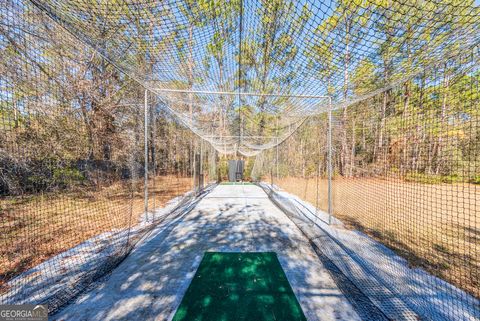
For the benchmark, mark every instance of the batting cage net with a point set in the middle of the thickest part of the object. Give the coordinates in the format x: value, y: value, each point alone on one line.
x: 116, y: 114
x: 401, y: 166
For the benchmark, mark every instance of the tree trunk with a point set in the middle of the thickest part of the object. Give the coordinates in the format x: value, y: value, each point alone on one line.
x: 344, y: 155
x: 443, y: 116
x: 352, y: 156
x: 382, y: 122
x: 405, y: 130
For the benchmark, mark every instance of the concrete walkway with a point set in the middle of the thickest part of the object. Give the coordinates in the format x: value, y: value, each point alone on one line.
x: 150, y: 283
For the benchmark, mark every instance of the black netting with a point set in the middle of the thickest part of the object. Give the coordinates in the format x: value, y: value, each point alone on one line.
x: 405, y: 172
x: 72, y: 161
x: 110, y: 109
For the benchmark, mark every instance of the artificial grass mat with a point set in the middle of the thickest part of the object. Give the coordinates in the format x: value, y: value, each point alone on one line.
x: 239, y: 286
x: 236, y: 183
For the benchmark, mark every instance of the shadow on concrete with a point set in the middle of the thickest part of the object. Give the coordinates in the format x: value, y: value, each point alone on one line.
x: 151, y: 281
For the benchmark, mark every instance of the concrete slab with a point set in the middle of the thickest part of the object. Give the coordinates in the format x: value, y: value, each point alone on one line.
x: 399, y: 291
x: 150, y: 283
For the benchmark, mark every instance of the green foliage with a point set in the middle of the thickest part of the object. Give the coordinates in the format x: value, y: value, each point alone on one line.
x: 52, y: 176
x: 67, y: 176
x: 432, y: 179
x: 475, y: 180
x: 35, y: 181
x: 248, y: 168
x: 222, y: 168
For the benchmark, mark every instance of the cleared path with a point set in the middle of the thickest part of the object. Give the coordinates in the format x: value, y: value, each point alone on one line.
x: 150, y: 283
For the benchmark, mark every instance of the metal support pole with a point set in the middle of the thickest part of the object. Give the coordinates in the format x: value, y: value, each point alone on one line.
x: 276, y: 132
x: 197, y: 176
x: 318, y: 123
x: 317, y: 190
x: 146, y: 155
x: 329, y: 163
x: 271, y: 178
x: 193, y: 166
x: 277, y: 162
x: 234, y: 93
x: 153, y: 121
x: 201, y: 166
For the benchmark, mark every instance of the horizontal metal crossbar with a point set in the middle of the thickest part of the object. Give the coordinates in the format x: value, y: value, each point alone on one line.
x: 233, y: 93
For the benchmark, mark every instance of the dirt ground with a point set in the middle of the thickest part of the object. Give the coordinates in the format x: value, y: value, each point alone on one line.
x: 41, y: 226
x: 434, y: 226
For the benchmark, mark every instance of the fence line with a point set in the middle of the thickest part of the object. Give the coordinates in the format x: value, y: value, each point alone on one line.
x: 405, y: 172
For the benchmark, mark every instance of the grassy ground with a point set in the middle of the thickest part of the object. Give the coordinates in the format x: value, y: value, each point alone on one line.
x: 37, y: 227
x: 433, y: 226
x: 237, y: 287
x: 236, y: 183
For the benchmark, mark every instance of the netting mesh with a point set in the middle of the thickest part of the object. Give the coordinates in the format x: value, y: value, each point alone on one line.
x: 84, y: 165
x: 405, y: 172
x: 73, y: 201
x: 277, y: 46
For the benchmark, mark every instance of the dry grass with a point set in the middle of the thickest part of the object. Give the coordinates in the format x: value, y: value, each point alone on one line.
x: 436, y: 227
x: 35, y: 228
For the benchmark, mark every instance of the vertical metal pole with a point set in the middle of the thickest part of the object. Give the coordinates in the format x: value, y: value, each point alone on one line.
x: 318, y: 170
x: 271, y: 172
x: 316, y: 199
x: 145, y: 136
x: 277, y: 163
x: 271, y: 178
x: 329, y: 162
x: 201, y: 165
x: 195, y: 172
x: 194, y: 166
x: 153, y: 121
x: 278, y: 173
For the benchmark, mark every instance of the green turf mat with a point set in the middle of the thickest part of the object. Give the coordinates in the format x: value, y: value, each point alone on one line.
x: 236, y: 183
x: 239, y: 286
